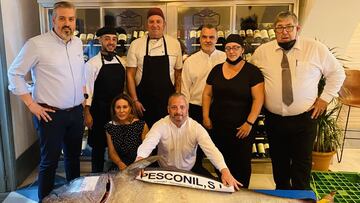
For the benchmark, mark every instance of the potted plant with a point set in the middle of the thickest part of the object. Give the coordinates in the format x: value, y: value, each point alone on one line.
x: 328, y: 131
x: 327, y: 138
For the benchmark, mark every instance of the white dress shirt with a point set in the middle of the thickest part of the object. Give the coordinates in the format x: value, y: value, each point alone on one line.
x: 308, y: 60
x: 137, y: 51
x: 178, y: 145
x: 195, y: 71
x: 57, y: 70
x: 93, y: 67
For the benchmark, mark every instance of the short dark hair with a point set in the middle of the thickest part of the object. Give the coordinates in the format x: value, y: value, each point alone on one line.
x: 208, y: 26
x: 62, y: 4
x: 126, y: 98
x: 178, y: 94
x: 286, y: 14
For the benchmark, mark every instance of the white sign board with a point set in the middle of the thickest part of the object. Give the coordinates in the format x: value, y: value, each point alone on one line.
x: 183, y: 179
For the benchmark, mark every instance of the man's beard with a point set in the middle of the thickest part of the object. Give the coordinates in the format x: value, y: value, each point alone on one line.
x: 68, y: 32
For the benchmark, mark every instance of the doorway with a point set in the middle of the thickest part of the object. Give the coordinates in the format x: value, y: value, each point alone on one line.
x: 7, y: 155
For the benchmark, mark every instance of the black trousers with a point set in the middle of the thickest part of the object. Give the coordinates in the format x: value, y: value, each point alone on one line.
x: 236, y: 152
x: 97, y: 158
x: 291, y: 140
x: 195, y: 112
x: 65, y: 132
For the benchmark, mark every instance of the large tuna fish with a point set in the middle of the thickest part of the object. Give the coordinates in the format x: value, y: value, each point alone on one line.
x: 124, y: 188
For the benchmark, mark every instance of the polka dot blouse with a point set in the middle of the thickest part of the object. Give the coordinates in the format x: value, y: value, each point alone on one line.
x: 126, y: 139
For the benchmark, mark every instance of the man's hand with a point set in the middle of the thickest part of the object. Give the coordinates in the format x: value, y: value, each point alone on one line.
x: 40, y: 112
x: 228, y: 180
x: 88, y: 119
x: 319, y: 108
x: 141, y: 172
x: 139, y: 108
x: 243, y: 130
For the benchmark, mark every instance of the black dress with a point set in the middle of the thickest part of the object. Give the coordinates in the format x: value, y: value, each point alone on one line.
x: 126, y: 139
x: 231, y: 105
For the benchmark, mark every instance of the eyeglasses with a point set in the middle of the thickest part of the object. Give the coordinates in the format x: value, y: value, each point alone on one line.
x: 288, y: 28
x: 235, y: 48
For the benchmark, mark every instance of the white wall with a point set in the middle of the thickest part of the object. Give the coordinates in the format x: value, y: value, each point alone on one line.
x: 333, y: 22
x: 21, y: 22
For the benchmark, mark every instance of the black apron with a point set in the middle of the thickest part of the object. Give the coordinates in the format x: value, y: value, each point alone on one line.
x: 108, y: 84
x: 155, y: 86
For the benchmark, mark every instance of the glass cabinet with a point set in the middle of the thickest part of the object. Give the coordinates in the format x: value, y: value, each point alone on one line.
x: 190, y: 20
x: 250, y: 19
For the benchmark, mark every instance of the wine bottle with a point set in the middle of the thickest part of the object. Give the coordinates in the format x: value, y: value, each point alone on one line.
x: 192, y: 46
x: 264, y: 36
x: 134, y: 35
x: 221, y: 41
x: 254, y: 152
x: 271, y: 34
x: 261, y: 126
x: 76, y: 33
x: 193, y: 36
x: 248, y: 41
x: 267, y: 149
x: 242, y: 34
x: 247, y: 56
x: 257, y: 39
x: 141, y: 33
x: 261, y: 150
x: 83, y: 38
x: 122, y: 38
x: 227, y: 33
x: 198, y: 33
x: 128, y: 37
x: 89, y: 37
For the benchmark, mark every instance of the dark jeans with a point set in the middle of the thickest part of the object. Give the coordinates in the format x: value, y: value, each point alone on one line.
x: 65, y: 132
x: 291, y: 140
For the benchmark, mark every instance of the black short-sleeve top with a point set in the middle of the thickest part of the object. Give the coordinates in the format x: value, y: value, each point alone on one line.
x: 232, y: 98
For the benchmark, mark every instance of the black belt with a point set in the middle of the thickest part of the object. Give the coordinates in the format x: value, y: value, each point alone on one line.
x: 56, y: 108
x: 267, y: 112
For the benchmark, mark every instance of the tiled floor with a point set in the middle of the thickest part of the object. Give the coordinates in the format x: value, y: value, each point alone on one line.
x: 261, y: 177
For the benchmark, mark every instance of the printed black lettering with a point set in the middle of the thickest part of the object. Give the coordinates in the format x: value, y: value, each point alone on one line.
x: 187, y: 179
x: 178, y: 178
x: 160, y: 176
x: 145, y: 174
x: 197, y: 182
x: 211, y: 185
x: 167, y: 176
x: 152, y: 176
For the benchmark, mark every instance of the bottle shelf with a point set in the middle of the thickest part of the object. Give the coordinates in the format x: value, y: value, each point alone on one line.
x: 99, y: 45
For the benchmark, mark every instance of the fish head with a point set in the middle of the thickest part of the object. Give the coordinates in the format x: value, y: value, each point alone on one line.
x: 135, y: 168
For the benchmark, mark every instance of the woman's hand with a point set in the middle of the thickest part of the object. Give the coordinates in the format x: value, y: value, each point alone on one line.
x: 139, y: 108
x: 122, y: 166
x: 243, y: 130
x: 207, y: 123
